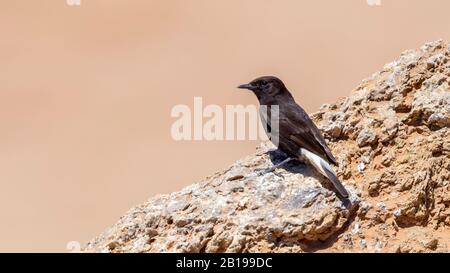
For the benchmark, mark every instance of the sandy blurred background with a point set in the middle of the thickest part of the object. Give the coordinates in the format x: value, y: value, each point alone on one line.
x: 86, y: 92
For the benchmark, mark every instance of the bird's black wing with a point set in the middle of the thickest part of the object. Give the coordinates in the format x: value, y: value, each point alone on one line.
x: 299, y: 128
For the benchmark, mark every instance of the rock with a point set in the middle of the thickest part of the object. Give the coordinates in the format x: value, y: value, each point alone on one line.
x: 334, y: 130
x: 432, y: 105
x: 418, y: 240
x: 285, y: 208
x: 361, y: 167
x: 431, y: 244
x: 391, y: 138
x: 366, y: 137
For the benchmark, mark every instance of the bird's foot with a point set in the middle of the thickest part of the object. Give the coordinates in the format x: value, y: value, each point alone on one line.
x: 261, y: 172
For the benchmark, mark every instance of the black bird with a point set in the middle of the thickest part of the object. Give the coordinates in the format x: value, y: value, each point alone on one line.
x: 296, y: 135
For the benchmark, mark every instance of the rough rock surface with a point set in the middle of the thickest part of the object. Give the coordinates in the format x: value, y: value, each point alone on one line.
x: 391, y: 138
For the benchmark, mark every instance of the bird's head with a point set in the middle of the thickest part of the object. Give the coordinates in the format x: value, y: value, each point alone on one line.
x: 267, y: 86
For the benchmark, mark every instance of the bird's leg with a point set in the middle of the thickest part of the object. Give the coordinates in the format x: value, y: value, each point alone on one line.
x: 274, y: 167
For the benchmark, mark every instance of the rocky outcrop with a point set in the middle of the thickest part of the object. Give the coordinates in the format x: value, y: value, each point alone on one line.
x: 391, y: 138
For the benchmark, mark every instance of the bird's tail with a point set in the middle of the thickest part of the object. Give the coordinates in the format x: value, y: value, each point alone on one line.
x: 324, y: 168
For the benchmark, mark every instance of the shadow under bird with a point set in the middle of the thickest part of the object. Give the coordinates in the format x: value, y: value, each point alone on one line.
x: 295, y: 134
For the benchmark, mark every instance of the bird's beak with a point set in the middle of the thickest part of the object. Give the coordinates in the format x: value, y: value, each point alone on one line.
x: 246, y: 86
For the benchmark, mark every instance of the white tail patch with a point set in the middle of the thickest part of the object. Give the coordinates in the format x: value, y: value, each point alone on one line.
x: 324, y: 168
x: 319, y: 163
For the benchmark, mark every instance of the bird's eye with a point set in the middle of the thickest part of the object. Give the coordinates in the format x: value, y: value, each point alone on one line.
x: 264, y: 83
